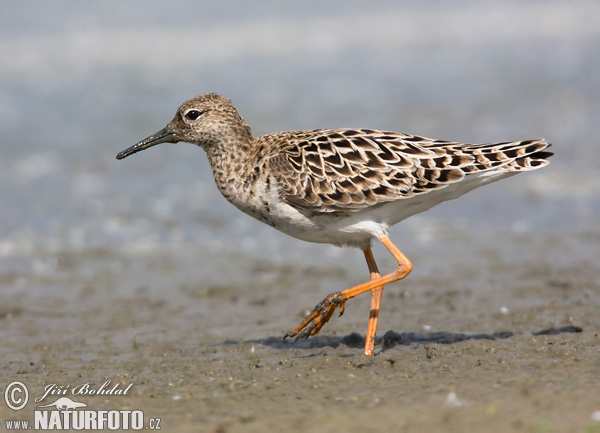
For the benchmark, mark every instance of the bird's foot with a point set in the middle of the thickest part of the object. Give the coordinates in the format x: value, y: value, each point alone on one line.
x: 319, y: 316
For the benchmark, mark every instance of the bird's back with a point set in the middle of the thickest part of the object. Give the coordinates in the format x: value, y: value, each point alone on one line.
x: 349, y: 170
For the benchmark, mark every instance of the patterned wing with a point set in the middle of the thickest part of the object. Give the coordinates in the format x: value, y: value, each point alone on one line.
x: 350, y: 169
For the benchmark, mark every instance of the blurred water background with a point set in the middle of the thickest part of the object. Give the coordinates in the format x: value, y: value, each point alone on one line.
x: 81, y: 81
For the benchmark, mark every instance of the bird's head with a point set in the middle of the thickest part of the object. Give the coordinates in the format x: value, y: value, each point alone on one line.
x: 207, y: 120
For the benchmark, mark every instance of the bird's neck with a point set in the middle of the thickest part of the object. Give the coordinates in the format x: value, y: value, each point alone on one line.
x: 233, y: 161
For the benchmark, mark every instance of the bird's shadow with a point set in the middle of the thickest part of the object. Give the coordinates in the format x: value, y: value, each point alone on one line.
x: 391, y: 339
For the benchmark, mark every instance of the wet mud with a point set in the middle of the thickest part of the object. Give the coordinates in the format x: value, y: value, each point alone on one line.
x: 518, y: 353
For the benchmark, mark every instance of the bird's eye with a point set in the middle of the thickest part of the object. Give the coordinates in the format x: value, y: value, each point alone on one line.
x: 193, y: 114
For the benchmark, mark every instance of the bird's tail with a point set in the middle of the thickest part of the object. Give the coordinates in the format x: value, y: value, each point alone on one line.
x: 509, y: 156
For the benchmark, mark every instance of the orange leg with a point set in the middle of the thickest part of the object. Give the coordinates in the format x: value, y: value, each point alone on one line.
x: 376, y: 295
x: 321, y: 314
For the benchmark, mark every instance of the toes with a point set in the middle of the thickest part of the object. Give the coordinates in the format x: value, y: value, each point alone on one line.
x: 320, y: 315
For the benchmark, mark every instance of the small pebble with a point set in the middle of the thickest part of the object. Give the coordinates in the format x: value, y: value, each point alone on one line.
x: 453, y: 401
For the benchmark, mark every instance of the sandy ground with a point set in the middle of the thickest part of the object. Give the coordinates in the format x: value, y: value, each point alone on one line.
x: 509, y: 345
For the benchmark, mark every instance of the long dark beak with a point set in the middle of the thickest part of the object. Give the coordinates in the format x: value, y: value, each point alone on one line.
x: 165, y: 135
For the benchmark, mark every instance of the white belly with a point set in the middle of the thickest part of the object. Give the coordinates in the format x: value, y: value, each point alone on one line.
x: 359, y: 227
